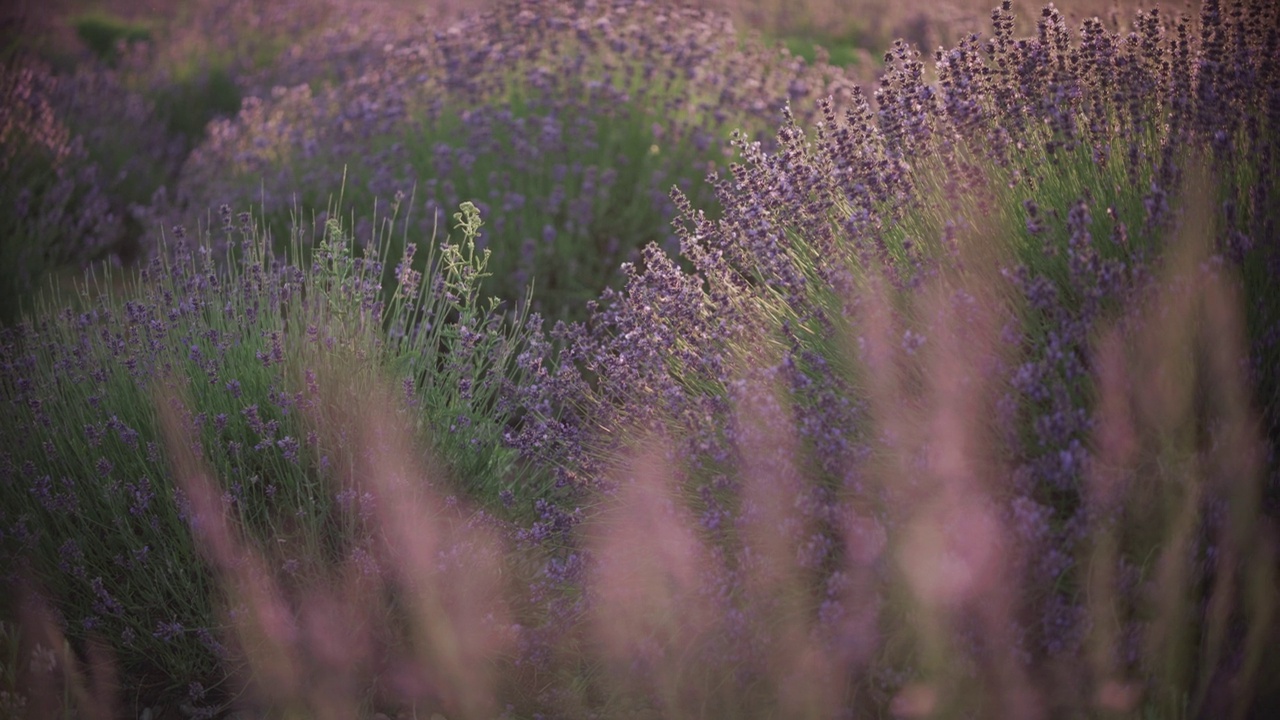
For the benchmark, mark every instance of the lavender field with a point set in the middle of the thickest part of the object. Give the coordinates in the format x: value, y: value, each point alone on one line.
x: 639, y: 359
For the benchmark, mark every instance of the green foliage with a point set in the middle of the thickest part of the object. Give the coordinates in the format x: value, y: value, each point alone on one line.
x: 584, y: 256
x: 197, y: 97
x: 103, y: 34
x: 613, y: 164
x: 842, y: 50
x: 22, y: 261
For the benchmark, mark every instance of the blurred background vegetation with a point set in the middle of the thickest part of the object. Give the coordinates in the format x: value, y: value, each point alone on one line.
x: 200, y: 61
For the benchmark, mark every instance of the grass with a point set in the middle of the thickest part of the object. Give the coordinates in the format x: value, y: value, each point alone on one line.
x: 845, y: 51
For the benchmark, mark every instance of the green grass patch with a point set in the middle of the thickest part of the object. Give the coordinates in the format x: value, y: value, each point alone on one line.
x: 842, y: 50
x: 196, y: 98
x: 104, y: 33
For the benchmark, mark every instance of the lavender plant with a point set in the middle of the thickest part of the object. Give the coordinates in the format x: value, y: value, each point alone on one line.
x: 896, y: 198
x: 55, y: 210
x: 567, y: 128
x: 94, y: 516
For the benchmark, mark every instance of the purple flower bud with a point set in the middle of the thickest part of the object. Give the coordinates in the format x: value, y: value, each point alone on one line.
x: 168, y: 631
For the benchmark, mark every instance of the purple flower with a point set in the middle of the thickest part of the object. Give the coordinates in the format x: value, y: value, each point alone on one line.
x: 93, y: 434
x: 250, y: 414
x: 128, y: 436
x: 211, y: 643
x: 71, y: 558
x: 104, y: 604
x: 141, y: 495
x: 289, y: 446
x: 168, y: 631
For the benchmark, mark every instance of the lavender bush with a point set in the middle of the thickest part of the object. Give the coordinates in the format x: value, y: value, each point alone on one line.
x: 959, y: 401
x: 64, y: 201
x: 567, y: 126
x: 230, y: 349
x: 899, y: 197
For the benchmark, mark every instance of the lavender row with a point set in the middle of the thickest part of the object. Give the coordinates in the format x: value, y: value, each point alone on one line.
x: 567, y: 127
